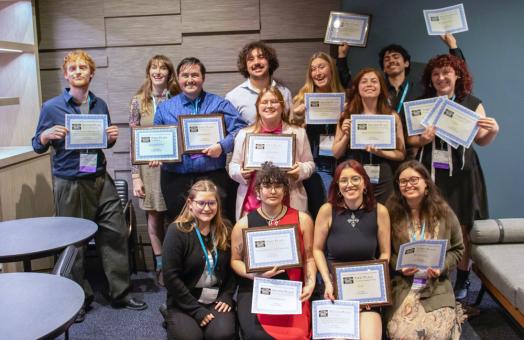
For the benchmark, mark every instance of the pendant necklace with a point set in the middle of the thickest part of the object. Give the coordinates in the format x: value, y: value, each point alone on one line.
x: 353, y: 220
x: 274, y: 220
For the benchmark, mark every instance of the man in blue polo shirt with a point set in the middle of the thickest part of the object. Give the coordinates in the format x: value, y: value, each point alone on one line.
x: 177, y: 178
x: 82, y: 186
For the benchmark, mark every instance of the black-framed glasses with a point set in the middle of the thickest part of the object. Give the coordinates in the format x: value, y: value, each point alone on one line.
x: 413, y: 180
x: 202, y: 204
x: 354, y: 180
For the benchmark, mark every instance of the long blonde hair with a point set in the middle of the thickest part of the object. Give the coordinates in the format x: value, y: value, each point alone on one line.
x: 145, y: 90
x: 309, y: 86
x: 185, y: 220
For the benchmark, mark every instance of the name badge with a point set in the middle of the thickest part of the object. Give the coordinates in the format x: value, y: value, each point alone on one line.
x: 325, y: 148
x: 88, y: 162
x: 208, y: 295
x: 440, y: 159
x: 373, y: 172
x: 419, y: 281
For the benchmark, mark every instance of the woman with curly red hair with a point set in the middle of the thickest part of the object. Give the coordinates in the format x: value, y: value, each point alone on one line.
x: 457, y: 173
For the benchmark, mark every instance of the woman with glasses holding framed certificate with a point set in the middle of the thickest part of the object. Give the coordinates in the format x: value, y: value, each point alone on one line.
x: 271, y: 119
x: 197, y: 271
x: 350, y: 227
x: 422, y: 303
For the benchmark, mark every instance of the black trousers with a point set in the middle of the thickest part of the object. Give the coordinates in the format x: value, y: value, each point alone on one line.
x: 175, y: 188
x: 181, y: 326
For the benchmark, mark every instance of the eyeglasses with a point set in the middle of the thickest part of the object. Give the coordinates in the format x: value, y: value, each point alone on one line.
x: 275, y: 186
x: 413, y: 180
x: 355, y: 180
x: 202, y: 204
x: 272, y: 102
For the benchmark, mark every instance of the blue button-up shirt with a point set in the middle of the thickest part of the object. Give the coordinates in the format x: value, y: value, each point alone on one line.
x: 66, y: 163
x: 167, y: 114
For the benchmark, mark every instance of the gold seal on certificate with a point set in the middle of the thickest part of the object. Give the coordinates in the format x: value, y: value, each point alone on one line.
x: 155, y: 143
x: 267, y: 247
x: 86, y: 131
x: 365, y: 281
x: 261, y: 147
x: 350, y: 28
x: 201, y: 131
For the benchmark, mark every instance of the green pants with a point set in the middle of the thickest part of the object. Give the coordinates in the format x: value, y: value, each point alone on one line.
x: 96, y: 199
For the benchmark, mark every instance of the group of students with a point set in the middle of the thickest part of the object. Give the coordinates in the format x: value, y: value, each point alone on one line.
x: 363, y: 209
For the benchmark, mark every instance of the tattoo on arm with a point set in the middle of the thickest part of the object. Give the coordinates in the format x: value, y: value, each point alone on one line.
x: 239, y: 248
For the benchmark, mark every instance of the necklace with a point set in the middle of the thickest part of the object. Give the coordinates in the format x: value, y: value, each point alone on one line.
x: 353, y: 220
x: 272, y: 220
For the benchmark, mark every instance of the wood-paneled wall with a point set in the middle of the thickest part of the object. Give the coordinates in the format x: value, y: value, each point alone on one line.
x: 122, y: 35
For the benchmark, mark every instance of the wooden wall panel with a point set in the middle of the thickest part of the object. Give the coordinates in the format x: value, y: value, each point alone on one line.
x: 304, y: 19
x: 67, y: 24
x: 222, y: 83
x: 53, y: 83
x: 120, y: 8
x: 148, y: 30
x: 54, y: 60
x: 18, y: 16
x: 220, y: 16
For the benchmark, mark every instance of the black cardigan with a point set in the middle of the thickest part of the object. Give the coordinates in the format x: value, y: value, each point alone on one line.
x: 183, y: 264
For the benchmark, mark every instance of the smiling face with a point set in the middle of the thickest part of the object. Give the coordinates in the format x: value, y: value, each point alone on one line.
x: 351, y: 186
x: 394, y: 64
x: 369, y: 85
x: 443, y: 80
x: 257, y: 64
x: 203, y: 206
x: 158, y: 73
x: 412, y: 185
x: 78, y: 73
x: 270, y: 108
x: 321, y: 74
x: 190, y: 80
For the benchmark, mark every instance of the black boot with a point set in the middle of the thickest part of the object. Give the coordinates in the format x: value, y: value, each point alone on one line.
x: 461, y: 284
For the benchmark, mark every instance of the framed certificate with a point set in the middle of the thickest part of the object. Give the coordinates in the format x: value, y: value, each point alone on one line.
x: 376, y: 130
x: 85, y: 131
x: 456, y: 123
x: 450, y: 19
x: 155, y: 143
x: 415, y: 112
x: 201, y: 131
x: 365, y: 281
x: 276, y: 297
x: 350, y: 28
x: 335, y: 320
x: 261, y: 147
x: 324, y: 108
x: 422, y: 254
x: 267, y: 247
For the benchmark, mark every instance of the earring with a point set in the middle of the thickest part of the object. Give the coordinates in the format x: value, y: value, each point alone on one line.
x: 339, y: 194
x: 365, y: 191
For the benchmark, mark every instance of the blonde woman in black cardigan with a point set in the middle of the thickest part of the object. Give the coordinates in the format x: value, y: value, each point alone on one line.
x: 197, y: 274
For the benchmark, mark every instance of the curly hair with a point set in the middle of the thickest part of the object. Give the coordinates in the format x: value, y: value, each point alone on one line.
x: 464, y: 83
x: 271, y: 174
x: 78, y: 55
x: 433, y: 207
x: 334, y: 196
x: 268, y: 52
x: 394, y: 48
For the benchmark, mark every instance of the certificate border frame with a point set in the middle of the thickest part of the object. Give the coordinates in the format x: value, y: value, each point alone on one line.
x: 407, y: 114
x: 462, y: 11
x: 356, y: 117
x: 328, y: 39
x: 309, y: 96
x: 318, y: 303
x: 155, y: 127
x: 68, y: 122
x: 467, y: 142
x: 198, y: 148
x: 251, y: 135
x: 363, y: 264
x: 247, y: 253
x: 256, y: 284
x: 404, y: 245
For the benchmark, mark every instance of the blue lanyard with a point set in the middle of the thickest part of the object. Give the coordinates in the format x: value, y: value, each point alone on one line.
x: 210, y: 269
x: 453, y: 98
x: 403, y: 97
x: 413, y: 238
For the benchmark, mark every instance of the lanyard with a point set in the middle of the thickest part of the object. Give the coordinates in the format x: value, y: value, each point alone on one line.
x: 413, y: 238
x: 210, y: 270
x: 404, y: 93
x: 154, y: 104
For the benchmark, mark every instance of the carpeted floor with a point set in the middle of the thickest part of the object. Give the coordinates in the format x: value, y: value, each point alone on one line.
x: 104, y: 322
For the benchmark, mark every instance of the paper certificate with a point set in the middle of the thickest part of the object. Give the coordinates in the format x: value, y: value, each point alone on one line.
x: 267, y: 247
x: 376, y: 130
x: 422, y: 254
x: 276, y: 297
x: 87, y: 131
x: 347, y: 28
x: 416, y: 111
x: 201, y: 131
x: 337, y: 319
x: 450, y: 19
x: 158, y: 143
x: 263, y: 147
x: 324, y: 108
x: 366, y: 282
x: 456, y: 123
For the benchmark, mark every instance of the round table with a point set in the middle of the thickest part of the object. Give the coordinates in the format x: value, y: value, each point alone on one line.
x: 30, y: 238
x: 36, y: 305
